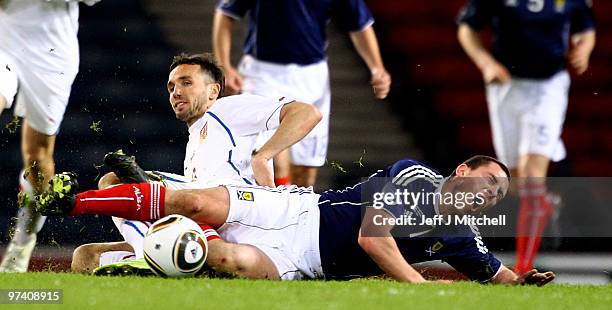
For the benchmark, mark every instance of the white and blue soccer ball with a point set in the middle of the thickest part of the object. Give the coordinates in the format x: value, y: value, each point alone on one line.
x: 175, y: 246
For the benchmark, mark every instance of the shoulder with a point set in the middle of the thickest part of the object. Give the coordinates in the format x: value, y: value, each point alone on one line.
x: 235, y: 100
x: 409, y: 167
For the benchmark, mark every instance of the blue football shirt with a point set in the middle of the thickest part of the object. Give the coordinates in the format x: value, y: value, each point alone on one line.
x: 461, y: 246
x: 285, y: 32
x: 531, y: 37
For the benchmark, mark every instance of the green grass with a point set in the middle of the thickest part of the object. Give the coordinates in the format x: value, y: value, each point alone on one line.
x: 87, y: 292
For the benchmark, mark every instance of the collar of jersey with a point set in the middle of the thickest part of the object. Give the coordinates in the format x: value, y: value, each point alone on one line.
x: 195, y: 127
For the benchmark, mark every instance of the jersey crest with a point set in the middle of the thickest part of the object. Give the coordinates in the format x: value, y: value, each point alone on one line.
x: 203, y: 132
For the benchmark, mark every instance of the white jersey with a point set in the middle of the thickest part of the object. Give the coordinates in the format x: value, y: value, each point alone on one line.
x: 222, y: 141
x: 41, y: 33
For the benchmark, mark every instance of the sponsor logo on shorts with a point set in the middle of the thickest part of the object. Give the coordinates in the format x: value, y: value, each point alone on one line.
x: 246, y: 196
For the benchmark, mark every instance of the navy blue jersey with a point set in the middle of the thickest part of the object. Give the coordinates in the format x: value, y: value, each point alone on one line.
x: 342, y: 212
x: 282, y: 31
x: 531, y: 37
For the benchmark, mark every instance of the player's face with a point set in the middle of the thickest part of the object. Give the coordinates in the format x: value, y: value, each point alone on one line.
x: 489, y: 184
x: 189, y: 89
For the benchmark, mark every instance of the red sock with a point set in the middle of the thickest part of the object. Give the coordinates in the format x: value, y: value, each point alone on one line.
x: 534, y: 213
x: 209, y: 232
x: 142, y: 201
x: 282, y: 181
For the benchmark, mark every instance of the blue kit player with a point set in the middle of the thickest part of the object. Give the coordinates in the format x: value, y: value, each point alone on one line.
x: 527, y: 87
x: 291, y: 233
x: 285, y: 55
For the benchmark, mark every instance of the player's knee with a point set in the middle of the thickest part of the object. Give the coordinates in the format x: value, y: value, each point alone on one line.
x: 85, y: 258
x: 108, y: 180
x: 242, y: 260
x: 236, y: 260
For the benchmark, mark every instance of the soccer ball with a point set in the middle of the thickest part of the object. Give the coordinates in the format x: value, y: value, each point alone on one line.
x: 175, y: 246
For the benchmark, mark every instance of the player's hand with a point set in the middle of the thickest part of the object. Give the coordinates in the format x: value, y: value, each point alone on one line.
x: 533, y: 277
x: 495, y: 72
x: 381, y: 82
x: 578, y: 59
x: 262, y: 171
x: 233, y: 81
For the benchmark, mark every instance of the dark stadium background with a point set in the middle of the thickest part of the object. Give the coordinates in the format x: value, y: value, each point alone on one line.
x: 119, y: 101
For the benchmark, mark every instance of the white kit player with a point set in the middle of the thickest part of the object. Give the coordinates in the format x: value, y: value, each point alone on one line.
x: 222, y: 135
x: 39, y: 59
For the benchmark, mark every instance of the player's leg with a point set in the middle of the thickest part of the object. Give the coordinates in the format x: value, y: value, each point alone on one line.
x: 311, y: 152
x: 88, y: 257
x: 242, y: 260
x: 278, y: 223
x: 42, y: 100
x: 504, y: 105
x: 303, y: 176
x: 540, y: 143
x: 133, y: 231
x: 2, y: 104
x: 37, y: 152
x: 282, y: 168
x: 141, y: 201
x: 210, y: 206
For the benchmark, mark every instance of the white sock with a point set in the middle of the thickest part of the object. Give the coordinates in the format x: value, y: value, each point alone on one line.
x: 29, y: 223
x: 133, y: 232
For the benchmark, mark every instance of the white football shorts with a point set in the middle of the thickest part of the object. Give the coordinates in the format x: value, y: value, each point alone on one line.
x: 527, y: 117
x: 282, y: 222
x: 40, y: 96
x: 308, y: 84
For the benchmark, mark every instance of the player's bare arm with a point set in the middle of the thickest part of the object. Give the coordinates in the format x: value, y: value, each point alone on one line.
x: 378, y: 243
x: 367, y: 46
x: 297, y: 119
x: 492, y: 71
x: 581, y: 47
x: 532, y: 277
x: 222, y: 44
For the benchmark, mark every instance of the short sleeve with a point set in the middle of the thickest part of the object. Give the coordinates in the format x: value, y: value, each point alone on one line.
x: 476, y: 13
x: 582, y: 18
x: 250, y: 114
x: 475, y: 261
x: 351, y: 15
x: 235, y: 9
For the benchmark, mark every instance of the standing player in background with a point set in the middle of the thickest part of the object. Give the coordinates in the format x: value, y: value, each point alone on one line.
x: 285, y: 51
x: 39, y: 59
x: 527, y: 92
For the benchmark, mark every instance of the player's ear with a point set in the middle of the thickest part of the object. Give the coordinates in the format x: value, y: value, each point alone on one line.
x: 461, y: 170
x: 215, y: 89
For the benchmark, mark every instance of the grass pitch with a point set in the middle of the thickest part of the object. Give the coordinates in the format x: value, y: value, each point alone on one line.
x: 88, y: 292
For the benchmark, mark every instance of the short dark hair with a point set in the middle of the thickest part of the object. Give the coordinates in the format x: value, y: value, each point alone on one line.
x: 481, y: 160
x: 208, y: 64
